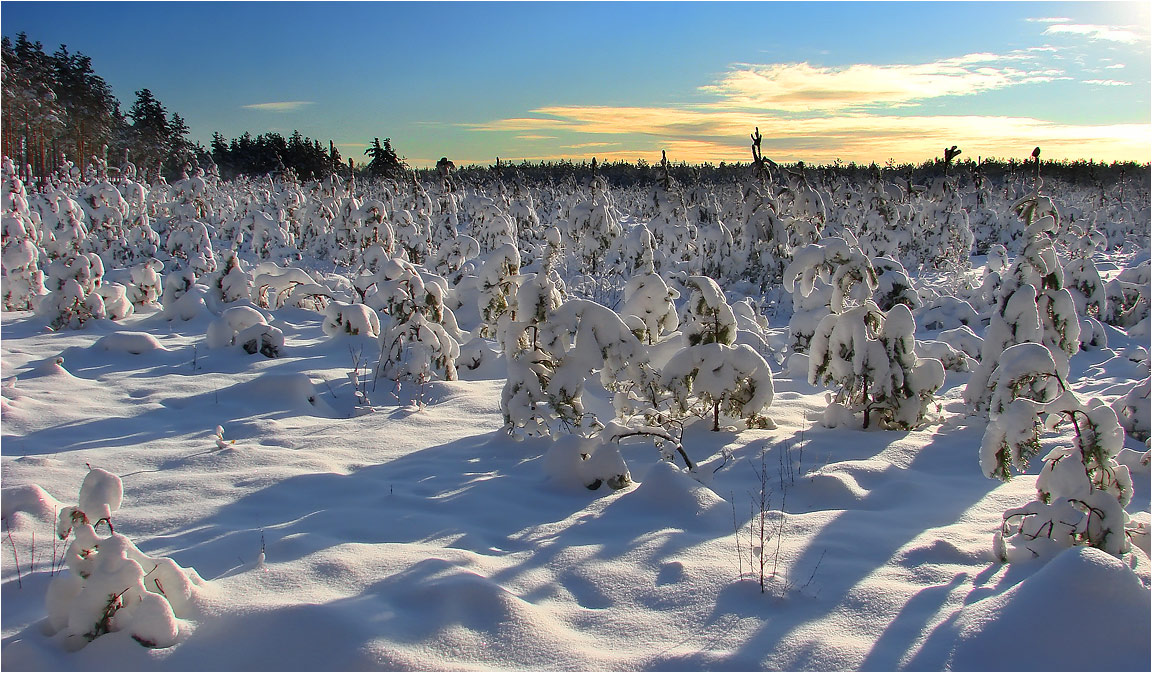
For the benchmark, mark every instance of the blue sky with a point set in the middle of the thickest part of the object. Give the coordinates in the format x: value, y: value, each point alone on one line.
x: 473, y: 81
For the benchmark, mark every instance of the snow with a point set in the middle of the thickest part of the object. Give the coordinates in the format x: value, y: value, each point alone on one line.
x: 306, y: 512
x: 1093, y: 584
x: 431, y: 540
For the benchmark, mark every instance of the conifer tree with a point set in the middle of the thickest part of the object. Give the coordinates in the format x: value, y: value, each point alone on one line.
x: 384, y: 163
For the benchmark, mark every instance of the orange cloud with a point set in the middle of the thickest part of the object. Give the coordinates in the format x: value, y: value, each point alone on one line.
x: 706, y: 135
x: 800, y: 87
x: 820, y: 114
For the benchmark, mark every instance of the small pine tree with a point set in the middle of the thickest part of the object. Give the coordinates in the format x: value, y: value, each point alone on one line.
x: 707, y: 318
x: 868, y: 355
x: 1033, y: 304
x: 1082, y: 489
x: 383, y: 162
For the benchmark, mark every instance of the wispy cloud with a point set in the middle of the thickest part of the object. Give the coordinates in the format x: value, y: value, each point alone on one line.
x: 1109, y: 83
x: 1050, y: 19
x: 710, y: 135
x: 815, y: 113
x: 580, y: 146
x: 1115, y: 66
x: 279, y: 106
x: 1123, y: 34
x: 799, y: 87
x: 535, y: 136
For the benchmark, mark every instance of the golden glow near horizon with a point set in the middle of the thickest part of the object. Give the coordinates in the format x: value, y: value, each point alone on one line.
x: 990, y: 104
x: 696, y: 136
x: 860, y: 113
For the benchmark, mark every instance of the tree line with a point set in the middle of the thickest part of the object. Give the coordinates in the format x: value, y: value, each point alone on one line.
x: 56, y: 107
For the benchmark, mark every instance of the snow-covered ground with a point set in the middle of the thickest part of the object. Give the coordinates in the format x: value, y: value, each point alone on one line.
x: 428, y: 539
x: 296, y: 508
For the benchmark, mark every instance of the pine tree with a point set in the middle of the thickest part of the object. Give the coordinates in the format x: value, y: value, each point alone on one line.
x: 92, y: 112
x: 384, y: 163
x: 150, y: 132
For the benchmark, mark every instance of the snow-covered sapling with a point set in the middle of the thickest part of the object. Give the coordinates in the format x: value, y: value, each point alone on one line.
x: 350, y: 319
x: 497, y: 280
x: 1033, y: 304
x: 111, y: 585
x: 711, y: 377
x: 1082, y: 490
x: 421, y: 337
x: 524, y: 402
x: 870, y: 357
x: 648, y: 298
x: 74, y: 297
x: 707, y: 318
x: 247, y: 327
x: 846, y: 278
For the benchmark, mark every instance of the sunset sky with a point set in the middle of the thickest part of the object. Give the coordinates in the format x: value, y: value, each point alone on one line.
x: 861, y: 82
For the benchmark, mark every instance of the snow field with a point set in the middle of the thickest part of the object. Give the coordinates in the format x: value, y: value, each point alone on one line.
x: 428, y: 539
x: 335, y: 421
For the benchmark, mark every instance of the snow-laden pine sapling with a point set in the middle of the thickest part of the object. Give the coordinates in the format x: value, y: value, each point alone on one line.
x: 1033, y: 304
x: 1082, y: 490
x: 713, y: 378
x: 107, y: 588
x: 868, y: 355
x: 825, y: 278
x: 420, y: 341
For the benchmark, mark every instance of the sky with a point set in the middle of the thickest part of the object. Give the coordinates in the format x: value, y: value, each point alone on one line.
x: 855, y: 81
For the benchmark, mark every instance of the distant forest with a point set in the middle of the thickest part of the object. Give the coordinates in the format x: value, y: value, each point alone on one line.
x: 56, y: 107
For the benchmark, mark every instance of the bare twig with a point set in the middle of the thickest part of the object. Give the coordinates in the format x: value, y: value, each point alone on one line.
x: 15, y: 555
x: 815, y: 567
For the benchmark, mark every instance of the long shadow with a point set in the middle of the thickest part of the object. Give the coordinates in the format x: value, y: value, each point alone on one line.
x: 934, y: 653
x: 444, y: 493
x: 272, y: 394
x: 481, y: 494
x: 905, y: 627
x: 864, y: 537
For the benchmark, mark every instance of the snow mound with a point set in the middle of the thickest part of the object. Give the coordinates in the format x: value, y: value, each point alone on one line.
x: 797, y: 366
x: 101, y: 494
x: 460, y: 597
x: 673, y: 494
x: 31, y: 499
x: 1083, y: 596
x: 129, y: 342
x: 49, y: 367
x: 294, y: 392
